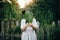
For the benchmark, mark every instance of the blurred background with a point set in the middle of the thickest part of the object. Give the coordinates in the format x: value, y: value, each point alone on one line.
x: 46, y: 12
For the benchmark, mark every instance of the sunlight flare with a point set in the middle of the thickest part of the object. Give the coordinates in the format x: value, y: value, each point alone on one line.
x: 24, y: 3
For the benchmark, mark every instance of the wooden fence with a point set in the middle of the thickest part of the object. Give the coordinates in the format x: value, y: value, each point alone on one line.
x: 10, y: 30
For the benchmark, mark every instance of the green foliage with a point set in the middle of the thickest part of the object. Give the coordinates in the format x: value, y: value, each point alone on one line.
x: 17, y: 30
x: 11, y: 11
x: 46, y: 32
x: 29, y: 15
x: 43, y: 11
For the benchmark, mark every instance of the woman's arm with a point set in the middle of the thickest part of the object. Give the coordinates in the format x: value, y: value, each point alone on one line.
x: 34, y: 24
x: 24, y: 27
x: 34, y: 27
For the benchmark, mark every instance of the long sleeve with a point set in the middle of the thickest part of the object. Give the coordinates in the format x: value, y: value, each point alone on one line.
x: 23, y: 21
x: 34, y: 22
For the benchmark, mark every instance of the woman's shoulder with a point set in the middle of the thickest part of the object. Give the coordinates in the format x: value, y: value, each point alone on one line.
x: 34, y: 18
x: 23, y: 19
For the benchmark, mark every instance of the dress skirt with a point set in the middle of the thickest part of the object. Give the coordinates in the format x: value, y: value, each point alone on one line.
x: 29, y: 35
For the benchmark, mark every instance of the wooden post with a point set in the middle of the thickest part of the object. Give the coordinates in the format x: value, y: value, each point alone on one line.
x: 12, y: 26
x: 7, y: 29
x: 17, y: 23
x: 2, y: 29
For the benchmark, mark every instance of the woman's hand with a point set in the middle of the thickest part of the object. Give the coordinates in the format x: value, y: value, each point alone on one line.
x: 27, y: 24
x: 24, y: 28
x: 30, y: 24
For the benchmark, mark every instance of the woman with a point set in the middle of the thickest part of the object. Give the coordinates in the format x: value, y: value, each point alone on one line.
x: 28, y: 29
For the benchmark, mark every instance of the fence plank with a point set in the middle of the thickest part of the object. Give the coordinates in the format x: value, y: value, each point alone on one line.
x: 2, y: 29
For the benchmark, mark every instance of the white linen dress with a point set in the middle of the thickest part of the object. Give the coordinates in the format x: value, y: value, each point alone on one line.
x: 29, y: 33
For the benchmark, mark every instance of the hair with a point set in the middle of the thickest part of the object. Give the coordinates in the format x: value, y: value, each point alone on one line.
x: 33, y: 15
x: 23, y: 12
